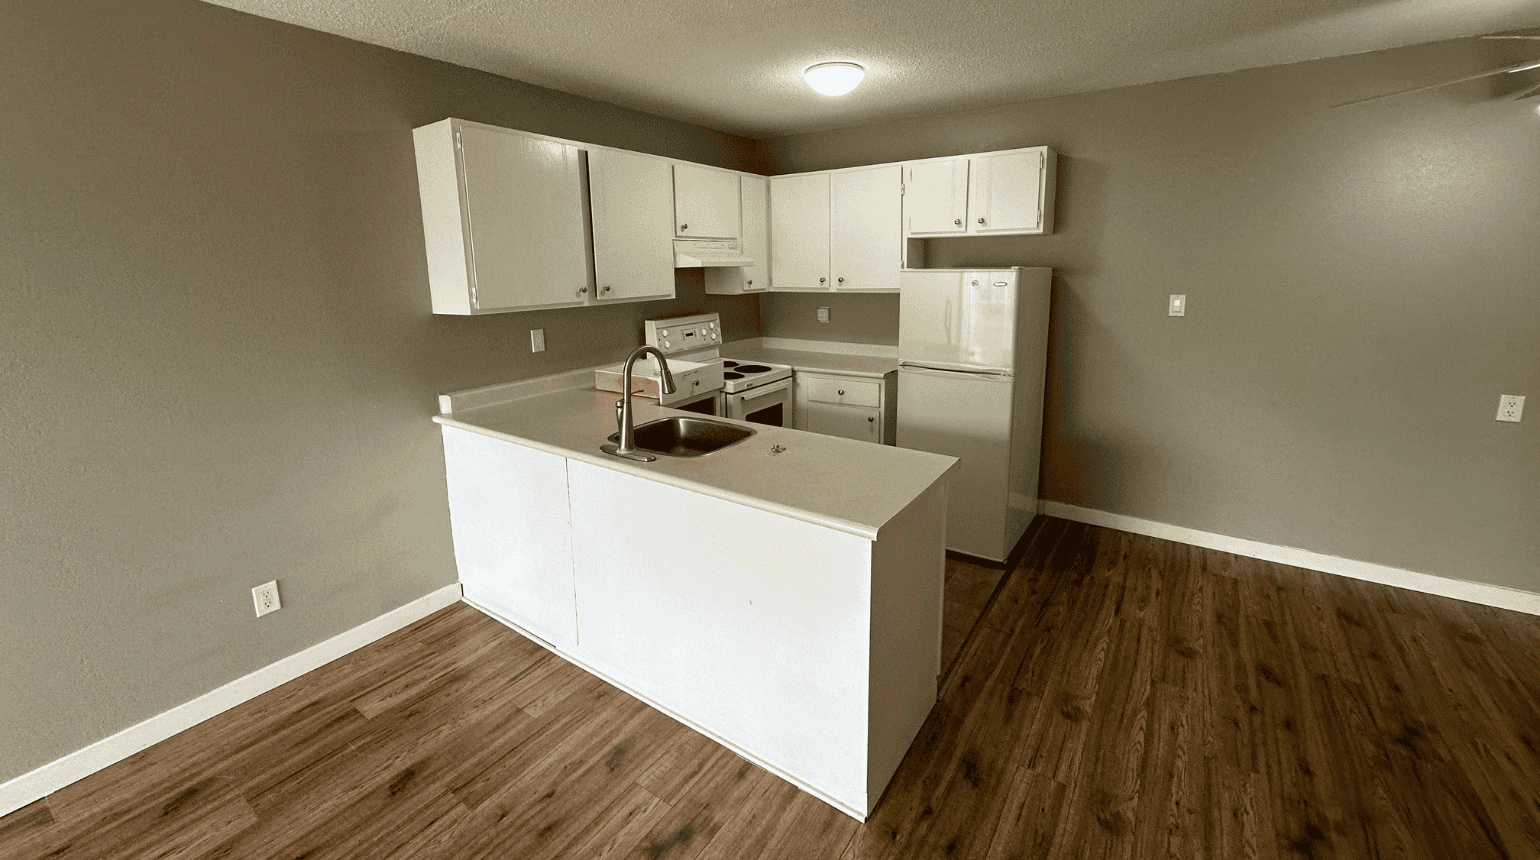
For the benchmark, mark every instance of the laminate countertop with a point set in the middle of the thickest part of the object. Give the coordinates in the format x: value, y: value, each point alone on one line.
x: 811, y: 360
x: 844, y: 484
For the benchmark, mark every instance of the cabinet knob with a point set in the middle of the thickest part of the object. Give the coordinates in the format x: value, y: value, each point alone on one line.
x: 871, y: 419
x: 842, y: 280
x: 582, y: 291
x: 751, y: 282
x: 606, y: 289
x: 981, y: 220
x: 842, y: 392
x: 957, y: 221
x: 822, y: 280
x: 684, y: 226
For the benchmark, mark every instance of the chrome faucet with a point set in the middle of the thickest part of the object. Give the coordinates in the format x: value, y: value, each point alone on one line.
x: 627, y: 442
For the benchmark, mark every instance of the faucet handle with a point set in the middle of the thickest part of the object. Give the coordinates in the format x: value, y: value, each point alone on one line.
x: 620, y: 414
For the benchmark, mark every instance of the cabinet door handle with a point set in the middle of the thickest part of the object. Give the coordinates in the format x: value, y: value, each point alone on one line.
x: 981, y: 220
x: 842, y: 280
x: 957, y: 221
x: 842, y: 392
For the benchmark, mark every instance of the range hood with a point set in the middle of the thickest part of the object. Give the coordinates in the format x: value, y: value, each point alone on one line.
x: 697, y: 253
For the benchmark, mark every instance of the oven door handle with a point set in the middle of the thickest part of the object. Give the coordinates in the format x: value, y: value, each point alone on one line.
x: 747, y: 397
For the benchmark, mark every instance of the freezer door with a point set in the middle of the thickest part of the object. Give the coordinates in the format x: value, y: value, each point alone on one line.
x: 968, y: 417
x: 964, y: 320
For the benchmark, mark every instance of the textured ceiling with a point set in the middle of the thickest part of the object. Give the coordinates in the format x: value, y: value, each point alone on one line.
x: 736, y: 66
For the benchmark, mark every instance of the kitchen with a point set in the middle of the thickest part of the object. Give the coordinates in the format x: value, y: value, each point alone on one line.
x: 218, y: 327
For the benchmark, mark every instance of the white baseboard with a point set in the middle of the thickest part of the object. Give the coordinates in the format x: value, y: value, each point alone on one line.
x: 55, y: 775
x: 1474, y: 592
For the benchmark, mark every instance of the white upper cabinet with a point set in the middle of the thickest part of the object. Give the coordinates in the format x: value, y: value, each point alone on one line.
x: 936, y: 197
x: 503, y: 221
x: 1008, y: 192
x: 799, y: 231
x: 839, y: 230
x: 867, y: 225
x: 706, y: 203
x: 737, y: 280
x: 633, y: 211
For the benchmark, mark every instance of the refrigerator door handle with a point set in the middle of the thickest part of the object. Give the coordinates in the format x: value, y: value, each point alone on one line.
x: 929, y: 370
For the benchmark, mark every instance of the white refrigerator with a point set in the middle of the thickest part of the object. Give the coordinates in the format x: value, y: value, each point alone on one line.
x: 972, y: 350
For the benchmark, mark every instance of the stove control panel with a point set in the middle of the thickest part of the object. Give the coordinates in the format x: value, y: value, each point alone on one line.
x: 684, y: 334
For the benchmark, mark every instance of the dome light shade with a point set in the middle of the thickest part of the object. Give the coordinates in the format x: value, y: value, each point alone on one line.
x: 834, y: 79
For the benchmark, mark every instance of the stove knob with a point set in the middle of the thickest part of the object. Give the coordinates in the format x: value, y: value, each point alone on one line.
x: 713, y: 335
x: 713, y: 325
x: 664, y: 332
x: 666, y: 344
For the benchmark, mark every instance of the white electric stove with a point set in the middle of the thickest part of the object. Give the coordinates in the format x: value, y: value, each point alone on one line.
x: 753, y: 391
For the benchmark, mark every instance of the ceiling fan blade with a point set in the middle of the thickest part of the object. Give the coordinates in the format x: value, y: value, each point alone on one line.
x: 1516, y: 67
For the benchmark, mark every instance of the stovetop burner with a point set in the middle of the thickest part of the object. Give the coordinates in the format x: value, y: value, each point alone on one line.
x: 731, y: 374
x: 751, y: 368
x: 727, y: 362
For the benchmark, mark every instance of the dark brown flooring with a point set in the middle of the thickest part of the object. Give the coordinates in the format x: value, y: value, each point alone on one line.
x: 1123, y: 697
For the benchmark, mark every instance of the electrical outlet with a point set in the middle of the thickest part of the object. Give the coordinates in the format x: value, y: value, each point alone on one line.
x: 1510, y: 407
x: 1177, y: 306
x: 823, y: 314
x: 537, y: 340
x: 266, y: 598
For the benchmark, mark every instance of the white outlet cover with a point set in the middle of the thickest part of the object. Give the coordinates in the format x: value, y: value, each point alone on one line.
x: 1510, y: 407
x: 1177, y: 306
x: 266, y: 598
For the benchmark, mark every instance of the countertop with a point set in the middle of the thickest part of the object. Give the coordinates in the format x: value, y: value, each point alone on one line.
x: 811, y: 360
x: 854, y: 487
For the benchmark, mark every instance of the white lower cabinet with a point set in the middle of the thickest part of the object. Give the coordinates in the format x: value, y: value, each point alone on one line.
x: 814, y: 652
x: 854, y: 407
x: 509, y: 518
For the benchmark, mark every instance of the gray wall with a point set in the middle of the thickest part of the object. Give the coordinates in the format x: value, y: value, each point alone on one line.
x: 216, y: 351
x: 1362, y: 285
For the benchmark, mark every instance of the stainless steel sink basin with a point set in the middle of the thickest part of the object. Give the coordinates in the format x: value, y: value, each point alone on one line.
x: 684, y: 437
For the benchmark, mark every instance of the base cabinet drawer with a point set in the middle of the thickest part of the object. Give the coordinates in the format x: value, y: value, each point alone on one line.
x: 844, y: 390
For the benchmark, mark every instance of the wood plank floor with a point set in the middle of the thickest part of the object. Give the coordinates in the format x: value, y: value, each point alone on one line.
x: 1122, y: 697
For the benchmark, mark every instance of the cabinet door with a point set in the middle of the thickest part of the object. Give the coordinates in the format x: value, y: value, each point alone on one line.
x: 1005, y: 192
x: 936, y: 197
x: 512, y: 532
x: 502, y: 219
x: 633, y: 214
x: 799, y: 232
x: 736, y: 280
x: 867, y: 228
x: 850, y: 422
x: 706, y: 204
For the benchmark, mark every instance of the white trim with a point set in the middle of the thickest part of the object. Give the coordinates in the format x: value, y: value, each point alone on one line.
x: 570, y: 658
x: 55, y: 775
x: 1474, y: 592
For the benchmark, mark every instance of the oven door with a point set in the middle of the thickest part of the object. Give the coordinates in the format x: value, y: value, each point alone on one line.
x: 767, y: 404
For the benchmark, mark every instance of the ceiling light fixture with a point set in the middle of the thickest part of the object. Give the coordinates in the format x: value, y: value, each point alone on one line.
x: 834, y: 79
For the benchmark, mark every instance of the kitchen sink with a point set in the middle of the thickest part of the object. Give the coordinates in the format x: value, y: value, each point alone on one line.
x: 685, y: 437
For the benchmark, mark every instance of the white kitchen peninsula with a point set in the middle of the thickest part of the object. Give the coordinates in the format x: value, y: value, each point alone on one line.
x: 782, y: 595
